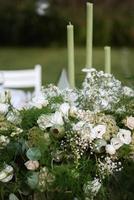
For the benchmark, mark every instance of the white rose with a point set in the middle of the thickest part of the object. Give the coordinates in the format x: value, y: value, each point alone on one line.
x: 14, y: 117
x: 4, y: 140
x: 32, y: 164
x: 4, y: 108
x: 130, y: 122
x: 57, y: 118
x: 47, y: 121
x: 124, y: 136
x: 39, y: 101
x: 78, y: 126
x: 73, y: 111
x: 44, y: 121
x: 6, y: 174
x: 116, y: 143
x: 110, y: 149
x: 64, y: 108
x: 98, y: 131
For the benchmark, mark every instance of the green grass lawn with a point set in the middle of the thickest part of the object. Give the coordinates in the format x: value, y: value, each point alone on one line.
x: 53, y: 60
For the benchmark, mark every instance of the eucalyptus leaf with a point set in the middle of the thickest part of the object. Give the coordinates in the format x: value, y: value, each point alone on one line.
x: 13, y: 197
x: 32, y: 180
x: 33, y: 154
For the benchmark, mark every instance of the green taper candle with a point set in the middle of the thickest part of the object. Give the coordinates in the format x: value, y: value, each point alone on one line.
x: 89, y: 36
x: 107, y: 50
x: 70, y: 50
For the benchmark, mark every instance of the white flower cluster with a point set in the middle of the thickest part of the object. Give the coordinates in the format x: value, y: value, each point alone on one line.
x: 91, y: 188
x: 51, y: 91
x: 47, y: 121
x: 108, y: 166
x: 123, y: 137
x: 100, y: 90
x: 128, y: 91
x: 71, y: 96
x: 57, y: 118
x: 38, y: 101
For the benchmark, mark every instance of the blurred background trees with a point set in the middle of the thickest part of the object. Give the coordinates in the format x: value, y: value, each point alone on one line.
x: 43, y: 22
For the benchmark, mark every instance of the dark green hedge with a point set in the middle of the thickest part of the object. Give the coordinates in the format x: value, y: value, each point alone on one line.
x: 20, y: 24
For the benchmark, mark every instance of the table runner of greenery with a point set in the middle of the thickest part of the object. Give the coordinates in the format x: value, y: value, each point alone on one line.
x: 69, y: 144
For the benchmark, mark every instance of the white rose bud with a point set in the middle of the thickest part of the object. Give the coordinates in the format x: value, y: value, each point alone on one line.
x: 110, y: 149
x: 73, y: 111
x: 4, y: 108
x: 4, y: 140
x: 6, y: 174
x: 32, y: 164
x: 130, y: 122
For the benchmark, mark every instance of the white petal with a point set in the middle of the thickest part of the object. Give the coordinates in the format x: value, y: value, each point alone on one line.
x: 116, y: 142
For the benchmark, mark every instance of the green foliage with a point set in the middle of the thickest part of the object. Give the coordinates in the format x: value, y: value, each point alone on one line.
x: 122, y: 183
x: 67, y: 180
x: 13, y: 197
x: 26, y: 27
x: 124, y: 152
x: 32, y: 179
x: 122, y: 109
x: 30, y: 117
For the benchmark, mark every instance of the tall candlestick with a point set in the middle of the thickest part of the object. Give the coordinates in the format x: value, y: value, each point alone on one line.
x: 89, y: 36
x: 70, y: 50
x: 107, y: 50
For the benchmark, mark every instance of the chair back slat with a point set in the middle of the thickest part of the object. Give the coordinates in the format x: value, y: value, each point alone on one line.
x: 23, y: 78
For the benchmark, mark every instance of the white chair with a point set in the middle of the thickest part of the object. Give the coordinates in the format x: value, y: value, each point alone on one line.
x: 28, y: 78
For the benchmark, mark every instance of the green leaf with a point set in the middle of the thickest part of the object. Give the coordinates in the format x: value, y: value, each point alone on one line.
x: 13, y: 197
x: 32, y: 179
x: 33, y: 153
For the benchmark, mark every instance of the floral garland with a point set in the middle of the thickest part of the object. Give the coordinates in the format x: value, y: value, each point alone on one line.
x: 66, y: 142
